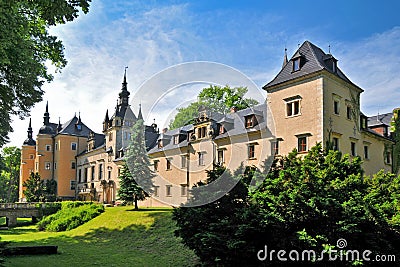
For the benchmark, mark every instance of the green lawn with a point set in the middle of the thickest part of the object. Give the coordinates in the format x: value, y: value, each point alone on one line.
x: 118, y: 237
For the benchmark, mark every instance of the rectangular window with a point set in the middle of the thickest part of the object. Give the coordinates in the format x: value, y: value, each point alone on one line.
x: 201, y: 159
x: 110, y: 137
x: 47, y: 165
x: 353, y: 149
x: 55, y: 165
x: 73, y: 146
x: 31, y: 156
x: 336, y: 107
x: 388, y: 157
x: 184, y: 190
x: 176, y: 139
x: 37, y: 166
x: 366, y: 152
x: 156, y: 189
x: 168, y: 164
x: 73, y: 165
x: 302, y: 144
x: 155, y: 165
x: 221, y: 129
x: 86, y: 175
x: 72, y: 185
x: 183, y: 161
x: 293, y: 108
x: 80, y: 175
x: 335, y: 143
x: 168, y: 192
x: 348, y: 112
x: 296, y: 64
x: 92, y: 174
x: 100, y: 171
x: 48, y: 147
x: 201, y: 132
x: 220, y: 156
x: 251, y: 151
x: 275, y: 148
x: 56, y: 146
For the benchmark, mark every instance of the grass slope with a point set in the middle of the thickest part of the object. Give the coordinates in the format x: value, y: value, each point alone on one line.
x: 118, y: 237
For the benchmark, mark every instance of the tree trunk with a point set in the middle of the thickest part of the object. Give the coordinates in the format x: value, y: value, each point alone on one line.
x: 136, y: 205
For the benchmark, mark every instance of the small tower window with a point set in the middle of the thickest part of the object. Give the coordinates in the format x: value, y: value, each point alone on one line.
x: 296, y: 64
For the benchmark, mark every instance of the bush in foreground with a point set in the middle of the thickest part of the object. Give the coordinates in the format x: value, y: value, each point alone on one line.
x: 71, y: 215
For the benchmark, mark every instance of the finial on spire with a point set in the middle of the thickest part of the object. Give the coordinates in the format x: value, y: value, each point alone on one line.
x: 285, y: 59
x: 59, y: 127
x: 140, y: 116
x: 329, y: 49
x: 30, y: 123
x: 47, y: 107
x: 46, y: 117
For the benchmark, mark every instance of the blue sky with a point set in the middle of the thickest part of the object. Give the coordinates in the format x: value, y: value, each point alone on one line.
x: 250, y: 36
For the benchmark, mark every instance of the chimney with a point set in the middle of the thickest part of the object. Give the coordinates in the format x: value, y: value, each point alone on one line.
x: 234, y: 109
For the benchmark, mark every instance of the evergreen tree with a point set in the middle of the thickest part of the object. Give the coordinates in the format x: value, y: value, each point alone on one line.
x: 35, y: 188
x: 9, y: 174
x: 136, y: 177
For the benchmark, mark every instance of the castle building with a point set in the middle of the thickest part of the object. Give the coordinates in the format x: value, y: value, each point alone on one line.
x: 309, y: 101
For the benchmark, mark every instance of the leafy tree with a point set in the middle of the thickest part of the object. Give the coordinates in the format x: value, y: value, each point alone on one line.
x: 9, y: 176
x: 395, y: 128
x: 50, y: 190
x: 303, y: 203
x: 25, y: 47
x: 136, y: 176
x: 216, y: 98
x: 35, y: 188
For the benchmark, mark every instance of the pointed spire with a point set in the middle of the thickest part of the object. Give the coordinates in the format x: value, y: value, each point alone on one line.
x: 59, y: 127
x: 106, y: 119
x: 285, y: 59
x: 140, y: 116
x: 79, y: 118
x: 124, y: 95
x: 46, y: 117
x: 30, y: 129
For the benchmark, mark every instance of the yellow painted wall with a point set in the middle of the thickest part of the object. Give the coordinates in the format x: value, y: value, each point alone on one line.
x: 28, y: 154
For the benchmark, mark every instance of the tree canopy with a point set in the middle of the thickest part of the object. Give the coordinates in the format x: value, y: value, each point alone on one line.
x: 216, y: 98
x: 25, y: 48
x: 304, y: 203
x: 9, y: 174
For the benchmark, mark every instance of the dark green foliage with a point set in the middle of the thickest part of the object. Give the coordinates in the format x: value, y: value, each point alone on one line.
x: 70, y: 216
x: 136, y: 179
x: 38, y: 190
x: 215, y: 98
x: 9, y: 174
x: 303, y: 203
x: 395, y: 128
x: 224, y: 232
x: 49, y: 208
x: 25, y: 47
x: 34, y: 191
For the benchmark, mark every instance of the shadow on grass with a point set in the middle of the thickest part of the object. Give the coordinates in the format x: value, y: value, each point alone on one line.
x: 135, y: 245
x: 151, y: 209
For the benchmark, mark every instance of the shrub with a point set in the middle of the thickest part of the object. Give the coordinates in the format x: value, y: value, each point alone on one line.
x: 71, y: 215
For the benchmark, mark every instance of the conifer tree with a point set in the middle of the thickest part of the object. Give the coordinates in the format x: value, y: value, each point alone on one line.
x: 34, y: 191
x: 136, y: 177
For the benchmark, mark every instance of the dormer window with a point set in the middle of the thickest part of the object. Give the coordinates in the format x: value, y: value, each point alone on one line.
x: 176, y: 139
x: 201, y: 132
x: 159, y: 143
x: 296, y: 64
x: 250, y: 121
x: 221, y: 129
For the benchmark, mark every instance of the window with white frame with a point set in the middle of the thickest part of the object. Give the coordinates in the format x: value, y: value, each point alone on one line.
x: 220, y: 156
x: 293, y: 106
x: 183, y: 161
x: 201, y: 158
x: 302, y: 143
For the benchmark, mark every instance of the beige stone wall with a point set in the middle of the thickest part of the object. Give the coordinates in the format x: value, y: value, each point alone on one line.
x: 309, y: 121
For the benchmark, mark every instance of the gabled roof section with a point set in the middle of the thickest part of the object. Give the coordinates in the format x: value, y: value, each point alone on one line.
x: 313, y: 59
x: 70, y: 128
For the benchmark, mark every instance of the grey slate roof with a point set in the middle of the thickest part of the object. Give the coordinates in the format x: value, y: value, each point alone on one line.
x: 50, y: 128
x: 314, y: 60
x: 237, y: 119
x: 381, y: 119
x: 70, y: 128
